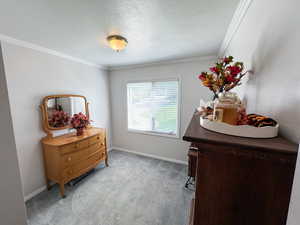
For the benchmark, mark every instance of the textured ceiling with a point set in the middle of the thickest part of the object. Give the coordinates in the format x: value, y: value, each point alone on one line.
x: 156, y: 29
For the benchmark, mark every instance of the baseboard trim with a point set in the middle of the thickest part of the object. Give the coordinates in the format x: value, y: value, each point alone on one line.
x: 151, y: 156
x: 34, y: 193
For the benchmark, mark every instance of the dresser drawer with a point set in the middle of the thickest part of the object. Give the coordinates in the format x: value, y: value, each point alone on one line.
x: 94, y: 148
x: 82, y: 154
x: 96, y: 139
x: 74, y: 146
x: 68, y: 148
x: 82, y: 144
x: 71, y: 158
x: 83, y: 166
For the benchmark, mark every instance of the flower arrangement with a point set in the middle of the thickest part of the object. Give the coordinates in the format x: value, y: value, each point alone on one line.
x: 224, y: 76
x: 59, y: 118
x: 79, y: 122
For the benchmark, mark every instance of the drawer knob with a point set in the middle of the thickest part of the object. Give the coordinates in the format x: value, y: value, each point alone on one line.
x: 98, y: 138
x: 69, y: 159
x: 102, y: 143
x: 70, y: 172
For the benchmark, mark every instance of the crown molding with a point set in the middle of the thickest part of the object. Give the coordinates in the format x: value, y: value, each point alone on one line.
x: 235, y: 23
x: 162, y: 62
x: 25, y: 44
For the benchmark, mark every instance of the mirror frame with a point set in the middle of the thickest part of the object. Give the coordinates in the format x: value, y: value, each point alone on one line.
x: 43, y: 107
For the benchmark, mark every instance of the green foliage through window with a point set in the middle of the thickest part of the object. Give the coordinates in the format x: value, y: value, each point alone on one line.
x: 153, y: 106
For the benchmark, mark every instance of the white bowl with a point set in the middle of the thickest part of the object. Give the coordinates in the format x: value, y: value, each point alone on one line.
x: 241, y: 130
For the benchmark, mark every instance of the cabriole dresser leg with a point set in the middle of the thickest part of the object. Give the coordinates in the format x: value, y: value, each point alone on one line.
x: 48, y: 184
x: 62, y: 190
x: 106, y: 161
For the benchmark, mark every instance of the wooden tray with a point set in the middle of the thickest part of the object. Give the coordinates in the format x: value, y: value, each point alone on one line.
x: 241, y: 130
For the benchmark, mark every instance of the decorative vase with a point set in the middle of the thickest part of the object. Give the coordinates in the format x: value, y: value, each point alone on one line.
x: 79, y: 131
x: 226, y: 108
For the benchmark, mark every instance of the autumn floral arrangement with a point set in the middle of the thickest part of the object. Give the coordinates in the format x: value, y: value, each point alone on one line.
x: 59, y: 118
x: 223, y: 76
x: 226, y: 107
x: 79, y: 122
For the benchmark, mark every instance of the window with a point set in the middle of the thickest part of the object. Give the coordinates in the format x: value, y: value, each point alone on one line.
x: 153, y: 107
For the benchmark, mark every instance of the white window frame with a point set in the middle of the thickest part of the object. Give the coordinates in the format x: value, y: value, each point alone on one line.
x: 155, y: 133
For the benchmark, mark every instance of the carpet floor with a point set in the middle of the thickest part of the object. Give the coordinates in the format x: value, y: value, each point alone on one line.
x: 133, y: 190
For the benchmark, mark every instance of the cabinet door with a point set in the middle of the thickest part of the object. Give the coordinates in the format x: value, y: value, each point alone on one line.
x: 241, y: 187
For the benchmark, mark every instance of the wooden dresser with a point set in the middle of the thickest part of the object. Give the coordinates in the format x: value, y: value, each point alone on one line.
x: 69, y: 156
x: 240, y: 181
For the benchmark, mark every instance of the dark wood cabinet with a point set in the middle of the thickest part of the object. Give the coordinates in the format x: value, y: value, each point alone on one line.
x: 192, y: 163
x: 240, y: 181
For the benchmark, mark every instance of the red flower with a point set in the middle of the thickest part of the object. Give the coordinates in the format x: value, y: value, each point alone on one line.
x: 214, y: 69
x: 228, y: 59
x: 59, y: 119
x: 234, y: 70
x: 202, y: 76
x: 79, y: 121
x: 230, y: 79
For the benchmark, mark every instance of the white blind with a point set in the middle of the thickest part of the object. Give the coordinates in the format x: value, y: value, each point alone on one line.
x: 153, y: 106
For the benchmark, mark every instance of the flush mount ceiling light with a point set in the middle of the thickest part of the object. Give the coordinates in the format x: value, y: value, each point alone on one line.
x: 117, y: 42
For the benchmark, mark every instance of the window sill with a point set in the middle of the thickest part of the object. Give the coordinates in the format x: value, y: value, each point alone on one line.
x: 176, y: 136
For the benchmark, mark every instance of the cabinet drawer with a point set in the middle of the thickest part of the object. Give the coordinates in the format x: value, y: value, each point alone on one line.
x: 74, y: 146
x: 68, y: 148
x: 73, y: 157
x: 97, y: 138
x: 92, y: 149
x: 82, y: 144
x: 83, y: 166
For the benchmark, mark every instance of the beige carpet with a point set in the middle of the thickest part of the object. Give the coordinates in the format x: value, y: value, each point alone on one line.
x: 134, y: 190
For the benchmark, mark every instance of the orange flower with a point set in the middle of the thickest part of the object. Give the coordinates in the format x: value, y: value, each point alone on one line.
x: 206, y: 83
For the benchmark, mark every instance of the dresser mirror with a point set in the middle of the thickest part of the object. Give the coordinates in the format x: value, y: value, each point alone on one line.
x: 57, y: 110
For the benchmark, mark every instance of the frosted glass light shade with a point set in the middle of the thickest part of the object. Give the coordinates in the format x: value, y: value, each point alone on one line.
x: 117, y: 42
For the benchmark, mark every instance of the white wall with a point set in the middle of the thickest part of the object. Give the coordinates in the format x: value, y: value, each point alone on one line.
x: 268, y: 41
x: 31, y: 75
x: 12, y: 208
x: 192, y: 92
